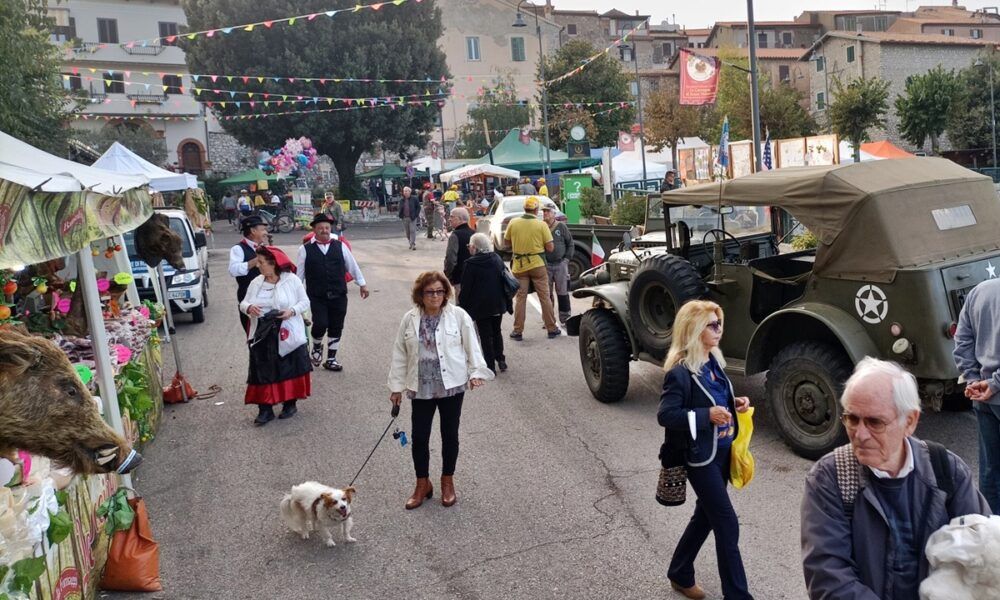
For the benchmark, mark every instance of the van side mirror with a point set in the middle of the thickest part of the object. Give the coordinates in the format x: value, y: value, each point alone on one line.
x: 200, y: 241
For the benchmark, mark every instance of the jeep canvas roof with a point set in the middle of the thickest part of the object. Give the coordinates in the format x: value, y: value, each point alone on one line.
x: 872, y: 218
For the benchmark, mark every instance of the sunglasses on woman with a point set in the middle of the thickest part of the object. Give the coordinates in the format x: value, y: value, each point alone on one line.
x: 438, y: 292
x: 715, y: 326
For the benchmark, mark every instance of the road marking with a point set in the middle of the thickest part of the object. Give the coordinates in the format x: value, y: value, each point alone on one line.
x: 533, y: 301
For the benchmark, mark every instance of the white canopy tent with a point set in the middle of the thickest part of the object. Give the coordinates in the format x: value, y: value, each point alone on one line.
x: 120, y: 159
x: 426, y: 162
x: 43, y: 182
x: 847, y: 154
x: 476, y: 170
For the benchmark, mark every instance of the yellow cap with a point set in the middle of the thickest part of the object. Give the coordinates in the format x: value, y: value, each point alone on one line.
x: 541, y: 180
x: 453, y: 187
x: 531, y: 203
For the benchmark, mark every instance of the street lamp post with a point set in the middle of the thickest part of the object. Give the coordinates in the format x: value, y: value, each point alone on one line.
x: 993, y: 109
x: 754, y: 98
x: 638, y: 97
x: 519, y: 22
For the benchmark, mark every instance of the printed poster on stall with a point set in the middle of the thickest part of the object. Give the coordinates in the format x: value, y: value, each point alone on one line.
x: 741, y: 157
x: 686, y: 159
x: 821, y: 150
x: 699, y: 78
x: 703, y: 164
x: 792, y: 153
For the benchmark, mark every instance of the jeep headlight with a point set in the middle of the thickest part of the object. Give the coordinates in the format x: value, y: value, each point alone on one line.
x: 184, y: 277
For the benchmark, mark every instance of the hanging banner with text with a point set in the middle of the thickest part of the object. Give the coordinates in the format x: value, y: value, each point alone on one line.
x: 699, y: 78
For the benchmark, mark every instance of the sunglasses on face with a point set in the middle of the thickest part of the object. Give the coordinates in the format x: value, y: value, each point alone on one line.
x: 872, y: 424
x: 715, y: 326
x: 437, y: 292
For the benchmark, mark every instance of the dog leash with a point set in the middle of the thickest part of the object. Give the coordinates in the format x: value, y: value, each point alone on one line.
x: 395, y: 413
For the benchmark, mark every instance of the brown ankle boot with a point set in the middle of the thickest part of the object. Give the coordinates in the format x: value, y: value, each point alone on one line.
x: 448, y: 490
x: 423, y: 491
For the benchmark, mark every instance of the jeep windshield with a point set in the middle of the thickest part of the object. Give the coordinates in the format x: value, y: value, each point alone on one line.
x: 740, y: 221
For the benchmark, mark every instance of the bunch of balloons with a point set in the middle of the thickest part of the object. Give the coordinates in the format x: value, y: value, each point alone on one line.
x: 288, y: 160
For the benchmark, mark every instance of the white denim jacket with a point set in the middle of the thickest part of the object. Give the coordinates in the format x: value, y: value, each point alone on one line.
x: 458, y: 350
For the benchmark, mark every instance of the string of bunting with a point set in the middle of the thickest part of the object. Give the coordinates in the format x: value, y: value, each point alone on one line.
x: 196, y: 77
x: 212, y: 33
x: 590, y: 59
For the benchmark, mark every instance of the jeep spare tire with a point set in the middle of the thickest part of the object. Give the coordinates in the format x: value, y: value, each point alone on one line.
x: 660, y: 286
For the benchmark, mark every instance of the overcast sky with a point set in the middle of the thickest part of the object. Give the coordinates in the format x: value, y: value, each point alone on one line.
x: 702, y: 13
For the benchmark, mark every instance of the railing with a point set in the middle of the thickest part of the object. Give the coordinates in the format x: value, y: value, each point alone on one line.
x: 147, y: 98
x: 147, y: 50
x: 88, y: 47
x: 638, y: 186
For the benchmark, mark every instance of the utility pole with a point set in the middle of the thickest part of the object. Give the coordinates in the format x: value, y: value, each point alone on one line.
x: 754, y: 98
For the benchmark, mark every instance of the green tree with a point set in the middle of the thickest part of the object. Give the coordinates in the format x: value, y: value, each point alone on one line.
x: 782, y: 113
x: 925, y: 106
x: 396, y: 42
x: 34, y: 105
x: 136, y: 138
x: 667, y: 121
x: 592, y: 203
x: 857, y: 107
x: 969, y: 125
x: 601, y: 81
x: 499, y: 106
x: 629, y: 210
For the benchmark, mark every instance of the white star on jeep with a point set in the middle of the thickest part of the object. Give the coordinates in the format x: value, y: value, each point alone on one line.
x: 871, y: 303
x: 991, y: 270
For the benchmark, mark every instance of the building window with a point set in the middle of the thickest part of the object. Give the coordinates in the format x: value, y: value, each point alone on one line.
x: 820, y: 63
x: 517, y: 49
x: 107, y: 31
x: 950, y: 32
x: 63, y: 33
x: 173, y: 84
x: 72, y: 82
x: 634, y: 88
x: 626, y: 54
x: 167, y: 30
x: 762, y: 40
x: 850, y: 54
x: 114, y: 83
x: 820, y: 100
x: 571, y: 29
x: 472, y: 49
x: 783, y: 73
x: 976, y: 34
x: 786, y: 38
x: 668, y: 50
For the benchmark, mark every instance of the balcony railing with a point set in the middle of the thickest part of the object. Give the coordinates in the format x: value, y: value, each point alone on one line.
x: 148, y: 50
x: 147, y: 98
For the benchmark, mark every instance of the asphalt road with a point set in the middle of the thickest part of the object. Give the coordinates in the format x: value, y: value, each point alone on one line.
x: 555, y: 489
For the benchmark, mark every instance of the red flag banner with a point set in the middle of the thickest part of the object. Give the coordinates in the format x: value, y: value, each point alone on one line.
x: 699, y: 78
x: 626, y: 142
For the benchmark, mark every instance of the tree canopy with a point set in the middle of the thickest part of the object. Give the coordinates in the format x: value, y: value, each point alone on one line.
x: 925, y: 106
x: 602, y: 81
x: 969, y: 126
x: 667, y: 121
x: 34, y: 105
x: 498, y: 107
x: 857, y: 107
x: 396, y: 42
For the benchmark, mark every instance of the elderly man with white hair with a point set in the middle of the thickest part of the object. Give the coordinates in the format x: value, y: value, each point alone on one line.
x: 458, y: 247
x: 409, y: 212
x: 483, y: 296
x: 870, y: 506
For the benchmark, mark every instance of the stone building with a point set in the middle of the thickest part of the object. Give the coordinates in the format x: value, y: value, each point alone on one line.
x: 952, y: 21
x: 770, y: 34
x: 890, y: 56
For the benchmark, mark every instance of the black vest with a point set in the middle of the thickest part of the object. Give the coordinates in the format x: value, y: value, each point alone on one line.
x: 243, y: 281
x: 325, y: 273
x: 463, y: 233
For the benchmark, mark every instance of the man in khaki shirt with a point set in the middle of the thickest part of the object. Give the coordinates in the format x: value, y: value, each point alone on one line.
x: 530, y: 238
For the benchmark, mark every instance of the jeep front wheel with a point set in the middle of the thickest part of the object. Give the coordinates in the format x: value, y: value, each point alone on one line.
x: 803, y: 390
x: 604, y: 355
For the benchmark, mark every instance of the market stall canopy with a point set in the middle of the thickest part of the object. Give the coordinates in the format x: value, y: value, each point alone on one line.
x: 247, y: 177
x: 529, y: 157
x: 120, y: 159
x: 51, y: 207
x: 389, y: 171
x: 872, y: 218
x: 475, y: 170
x: 885, y: 149
x: 427, y: 162
x: 847, y: 153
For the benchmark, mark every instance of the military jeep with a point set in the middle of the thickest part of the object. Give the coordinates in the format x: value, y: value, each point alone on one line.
x: 900, y: 244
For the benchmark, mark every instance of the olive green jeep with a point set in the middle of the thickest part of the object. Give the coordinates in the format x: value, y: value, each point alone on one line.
x: 900, y: 244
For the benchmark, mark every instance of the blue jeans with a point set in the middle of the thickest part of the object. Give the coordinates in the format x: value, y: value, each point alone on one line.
x: 988, y: 417
x: 713, y: 512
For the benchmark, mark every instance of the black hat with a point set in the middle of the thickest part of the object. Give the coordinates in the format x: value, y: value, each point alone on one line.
x: 251, y: 222
x: 322, y: 218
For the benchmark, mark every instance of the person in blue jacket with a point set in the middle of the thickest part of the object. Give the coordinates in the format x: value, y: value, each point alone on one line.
x: 696, y: 409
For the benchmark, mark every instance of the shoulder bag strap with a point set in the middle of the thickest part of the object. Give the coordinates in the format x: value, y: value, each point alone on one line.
x: 849, y: 477
x: 942, y: 469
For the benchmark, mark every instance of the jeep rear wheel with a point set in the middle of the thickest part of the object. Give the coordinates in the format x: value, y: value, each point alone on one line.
x: 803, y: 389
x: 661, y: 285
x: 604, y: 355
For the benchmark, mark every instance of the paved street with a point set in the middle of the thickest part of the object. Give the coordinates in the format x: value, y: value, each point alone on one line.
x: 555, y: 489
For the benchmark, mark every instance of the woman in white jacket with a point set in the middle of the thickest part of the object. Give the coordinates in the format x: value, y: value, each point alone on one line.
x: 436, y: 357
x: 279, y: 357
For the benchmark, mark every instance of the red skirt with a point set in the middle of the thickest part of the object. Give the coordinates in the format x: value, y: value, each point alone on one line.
x: 296, y: 388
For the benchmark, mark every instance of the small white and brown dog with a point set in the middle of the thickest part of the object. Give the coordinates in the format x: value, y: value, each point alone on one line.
x: 312, y: 506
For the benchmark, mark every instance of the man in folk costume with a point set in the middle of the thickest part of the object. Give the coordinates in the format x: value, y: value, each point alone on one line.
x: 243, y: 259
x: 323, y: 264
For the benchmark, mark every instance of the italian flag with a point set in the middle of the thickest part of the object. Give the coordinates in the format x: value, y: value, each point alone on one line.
x: 596, y: 251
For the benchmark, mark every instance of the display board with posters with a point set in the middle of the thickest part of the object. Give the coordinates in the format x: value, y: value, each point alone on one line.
x: 741, y: 158
x: 792, y: 152
x: 703, y: 164
x: 685, y: 158
x: 303, y: 205
x: 822, y: 150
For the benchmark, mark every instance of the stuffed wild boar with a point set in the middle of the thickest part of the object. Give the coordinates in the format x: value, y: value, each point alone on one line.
x: 46, y: 410
x: 156, y: 242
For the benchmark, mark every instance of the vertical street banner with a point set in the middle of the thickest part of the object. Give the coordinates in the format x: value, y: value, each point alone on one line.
x: 699, y: 78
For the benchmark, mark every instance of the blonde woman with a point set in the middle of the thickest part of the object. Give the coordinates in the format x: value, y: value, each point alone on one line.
x: 696, y: 409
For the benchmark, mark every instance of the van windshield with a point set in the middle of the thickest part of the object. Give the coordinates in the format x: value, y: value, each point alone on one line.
x: 742, y: 221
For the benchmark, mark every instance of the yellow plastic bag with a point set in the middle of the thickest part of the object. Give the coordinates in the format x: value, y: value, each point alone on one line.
x: 741, y: 461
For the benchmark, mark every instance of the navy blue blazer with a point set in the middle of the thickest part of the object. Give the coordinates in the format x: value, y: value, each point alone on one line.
x: 684, y: 393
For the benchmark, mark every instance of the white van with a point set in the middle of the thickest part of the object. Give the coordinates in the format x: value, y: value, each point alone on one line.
x: 187, y: 289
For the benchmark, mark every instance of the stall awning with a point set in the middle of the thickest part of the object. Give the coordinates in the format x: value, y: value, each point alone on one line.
x: 120, y: 159
x: 389, y: 171
x: 526, y: 155
x: 248, y: 177
x: 475, y: 170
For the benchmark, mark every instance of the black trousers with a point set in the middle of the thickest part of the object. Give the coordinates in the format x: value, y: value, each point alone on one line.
x: 328, y: 317
x: 491, y: 340
x: 423, y: 419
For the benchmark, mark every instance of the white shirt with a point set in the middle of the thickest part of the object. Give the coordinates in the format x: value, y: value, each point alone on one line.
x: 243, y: 201
x: 350, y: 264
x: 237, y: 266
x: 907, y: 465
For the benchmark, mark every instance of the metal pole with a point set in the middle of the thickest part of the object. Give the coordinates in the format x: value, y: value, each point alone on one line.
x: 993, y: 114
x: 443, y: 154
x: 547, y: 167
x: 638, y: 96
x: 754, y: 98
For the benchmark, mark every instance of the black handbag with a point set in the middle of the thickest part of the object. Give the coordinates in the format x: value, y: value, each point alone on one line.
x: 671, y: 488
x: 510, y: 283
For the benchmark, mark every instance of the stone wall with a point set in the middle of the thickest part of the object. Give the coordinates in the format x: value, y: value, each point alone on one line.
x: 227, y: 155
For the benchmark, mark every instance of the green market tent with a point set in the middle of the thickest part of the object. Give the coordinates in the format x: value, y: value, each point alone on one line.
x: 529, y: 158
x: 389, y: 171
x: 251, y: 176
